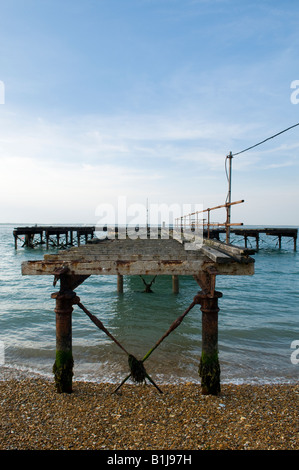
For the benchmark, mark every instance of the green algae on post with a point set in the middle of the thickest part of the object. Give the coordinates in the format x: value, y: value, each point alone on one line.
x: 209, y: 371
x: 63, y: 371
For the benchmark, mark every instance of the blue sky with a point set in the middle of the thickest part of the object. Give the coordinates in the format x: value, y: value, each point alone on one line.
x: 143, y: 100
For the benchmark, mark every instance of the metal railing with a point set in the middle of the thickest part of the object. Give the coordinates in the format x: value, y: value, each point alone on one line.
x: 193, y: 219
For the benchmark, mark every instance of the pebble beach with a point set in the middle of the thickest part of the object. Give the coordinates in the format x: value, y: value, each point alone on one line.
x: 243, y: 417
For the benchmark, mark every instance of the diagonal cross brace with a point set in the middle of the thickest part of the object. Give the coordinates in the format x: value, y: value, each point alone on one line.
x: 174, y: 325
x: 133, y: 362
x: 137, y: 368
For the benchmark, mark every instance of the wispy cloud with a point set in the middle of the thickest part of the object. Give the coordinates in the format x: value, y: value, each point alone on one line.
x: 144, y: 100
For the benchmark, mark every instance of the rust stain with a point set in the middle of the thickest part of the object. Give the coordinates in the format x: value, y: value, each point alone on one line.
x: 171, y: 263
x: 123, y: 263
x: 206, y: 265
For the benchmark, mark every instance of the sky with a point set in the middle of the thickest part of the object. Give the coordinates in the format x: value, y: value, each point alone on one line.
x: 141, y: 101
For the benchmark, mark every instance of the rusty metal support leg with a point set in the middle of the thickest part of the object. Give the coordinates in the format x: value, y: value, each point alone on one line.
x: 63, y: 366
x: 120, y: 284
x: 209, y: 368
x: 175, y: 284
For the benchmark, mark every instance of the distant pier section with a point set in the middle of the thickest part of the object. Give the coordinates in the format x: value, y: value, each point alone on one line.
x: 54, y: 236
x: 63, y: 236
x: 255, y: 233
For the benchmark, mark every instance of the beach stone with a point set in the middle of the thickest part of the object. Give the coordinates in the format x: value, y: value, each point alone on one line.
x: 33, y: 416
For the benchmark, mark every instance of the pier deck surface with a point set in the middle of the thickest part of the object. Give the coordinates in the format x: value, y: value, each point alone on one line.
x: 145, y: 256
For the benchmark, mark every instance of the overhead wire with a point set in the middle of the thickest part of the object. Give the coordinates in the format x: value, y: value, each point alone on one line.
x: 263, y: 141
x: 255, y: 145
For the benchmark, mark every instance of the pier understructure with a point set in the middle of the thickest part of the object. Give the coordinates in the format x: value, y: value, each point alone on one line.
x: 255, y: 233
x: 157, y: 257
x: 53, y: 236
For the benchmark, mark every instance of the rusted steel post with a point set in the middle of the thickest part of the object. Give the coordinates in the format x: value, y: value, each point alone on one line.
x: 120, y: 283
x: 29, y: 240
x: 63, y: 366
x: 257, y: 242
x: 16, y: 241
x: 175, y: 284
x: 209, y: 368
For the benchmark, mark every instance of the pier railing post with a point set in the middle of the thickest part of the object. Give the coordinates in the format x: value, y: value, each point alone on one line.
x: 63, y: 366
x: 209, y: 368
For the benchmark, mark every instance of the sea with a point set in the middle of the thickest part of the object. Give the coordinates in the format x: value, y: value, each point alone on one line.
x: 258, y: 321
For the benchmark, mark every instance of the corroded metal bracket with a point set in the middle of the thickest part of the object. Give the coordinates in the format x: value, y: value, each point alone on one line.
x: 68, y: 282
x: 207, y: 280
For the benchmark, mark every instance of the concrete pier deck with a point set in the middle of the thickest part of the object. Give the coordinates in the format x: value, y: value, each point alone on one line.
x: 144, y: 256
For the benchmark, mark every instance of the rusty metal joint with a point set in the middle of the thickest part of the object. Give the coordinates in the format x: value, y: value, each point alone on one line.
x: 197, y: 299
x: 58, y: 272
x: 205, y: 295
x: 66, y: 295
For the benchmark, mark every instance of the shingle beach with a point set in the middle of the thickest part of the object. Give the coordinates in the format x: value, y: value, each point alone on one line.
x: 253, y: 417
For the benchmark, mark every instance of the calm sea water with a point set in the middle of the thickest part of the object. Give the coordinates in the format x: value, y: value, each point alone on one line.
x: 258, y: 321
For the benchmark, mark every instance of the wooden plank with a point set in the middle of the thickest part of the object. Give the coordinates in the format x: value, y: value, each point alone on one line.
x: 216, y: 255
x: 228, y: 249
